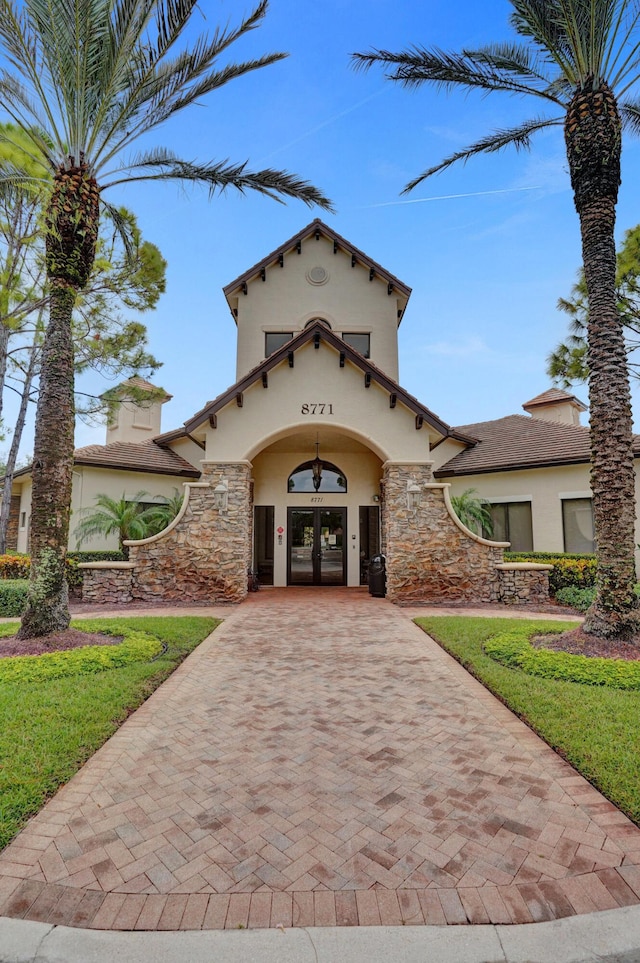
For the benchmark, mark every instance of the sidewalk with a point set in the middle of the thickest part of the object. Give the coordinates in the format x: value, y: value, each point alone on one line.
x: 319, y: 763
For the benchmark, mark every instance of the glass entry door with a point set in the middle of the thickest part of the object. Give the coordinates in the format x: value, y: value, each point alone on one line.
x: 317, y: 546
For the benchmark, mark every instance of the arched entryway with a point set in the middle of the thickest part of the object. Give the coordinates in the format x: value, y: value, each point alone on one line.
x: 316, y: 515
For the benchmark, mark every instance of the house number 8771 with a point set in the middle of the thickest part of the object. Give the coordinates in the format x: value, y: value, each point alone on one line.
x: 317, y: 408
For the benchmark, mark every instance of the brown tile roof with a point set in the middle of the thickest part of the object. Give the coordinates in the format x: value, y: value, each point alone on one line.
x: 144, y: 456
x: 552, y: 397
x: 135, y: 381
x: 519, y: 441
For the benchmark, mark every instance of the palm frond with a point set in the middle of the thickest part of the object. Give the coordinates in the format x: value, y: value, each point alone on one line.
x: 218, y: 177
x: 518, y: 137
x: 488, y: 68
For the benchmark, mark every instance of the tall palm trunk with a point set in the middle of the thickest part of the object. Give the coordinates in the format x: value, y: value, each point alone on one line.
x: 72, y: 230
x: 593, y: 139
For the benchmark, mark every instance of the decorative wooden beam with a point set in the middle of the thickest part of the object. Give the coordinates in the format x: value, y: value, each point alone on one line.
x: 290, y: 359
x: 354, y: 260
x: 265, y: 379
x: 336, y: 247
x: 239, y: 399
x: 244, y: 287
x: 392, y: 400
x: 263, y: 273
x: 235, y: 312
x: 372, y: 273
x: 419, y: 422
x: 316, y: 339
x: 213, y: 421
x: 299, y: 247
x: 342, y: 359
x: 281, y: 259
x: 389, y: 288
x: 318, y: 234
x: 367, y: 379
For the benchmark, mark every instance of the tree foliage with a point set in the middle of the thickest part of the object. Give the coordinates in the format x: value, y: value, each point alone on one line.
x: 128, y: 518
x: 473, y: 511
x: 580, y: 60
x: 567, y: 365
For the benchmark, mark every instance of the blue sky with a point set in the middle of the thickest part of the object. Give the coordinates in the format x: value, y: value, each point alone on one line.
x: 487, y: 247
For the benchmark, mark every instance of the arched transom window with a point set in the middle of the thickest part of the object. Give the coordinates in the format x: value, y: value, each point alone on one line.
x: 326, y: 478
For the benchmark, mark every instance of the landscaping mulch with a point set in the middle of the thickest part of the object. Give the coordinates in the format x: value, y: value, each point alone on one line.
x: 577, y: 642
x: 57, y: 642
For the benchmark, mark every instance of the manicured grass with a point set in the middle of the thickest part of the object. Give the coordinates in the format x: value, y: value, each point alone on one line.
x: 595, y: 728
x: 49, y: 729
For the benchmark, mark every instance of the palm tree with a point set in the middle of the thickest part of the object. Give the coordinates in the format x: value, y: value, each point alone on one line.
x: 159, y: 516
x: 473, y: 511
x: 582, y: 59
x: 83, y: 80
x: 126, y: 517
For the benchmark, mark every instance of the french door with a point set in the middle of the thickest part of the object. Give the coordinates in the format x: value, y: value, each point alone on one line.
x: 317, y: 546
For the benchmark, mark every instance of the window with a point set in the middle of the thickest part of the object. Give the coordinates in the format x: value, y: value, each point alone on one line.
x: 361, y: 342
x: 512, y: 523
x: 577, y: 524
x: 301, y: 480
x: 23, y: 519
x: 274, y: 340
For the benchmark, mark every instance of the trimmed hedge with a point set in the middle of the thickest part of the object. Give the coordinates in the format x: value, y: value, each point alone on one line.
x: 135, y: 647
x: 514, y: 650
x: 13, y: 596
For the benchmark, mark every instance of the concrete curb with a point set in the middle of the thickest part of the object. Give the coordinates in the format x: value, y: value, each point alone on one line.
x: 612, y: 936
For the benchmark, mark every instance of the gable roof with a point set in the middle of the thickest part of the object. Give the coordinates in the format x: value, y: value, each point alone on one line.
x: 317, y: 229
x: 519, y: 441
x: 318, y: 332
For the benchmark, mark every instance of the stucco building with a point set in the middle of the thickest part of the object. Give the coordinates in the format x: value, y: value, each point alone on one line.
x: 317, y: 459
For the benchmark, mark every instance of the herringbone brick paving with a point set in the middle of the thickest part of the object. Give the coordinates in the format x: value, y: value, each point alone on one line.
x: 320, y: 761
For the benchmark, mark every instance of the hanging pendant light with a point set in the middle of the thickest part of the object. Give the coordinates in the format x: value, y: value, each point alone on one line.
x: 316, y: 467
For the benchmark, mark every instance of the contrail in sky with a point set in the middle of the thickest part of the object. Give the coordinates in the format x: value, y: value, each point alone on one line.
x: 325, y: 123
x: 448, y: 197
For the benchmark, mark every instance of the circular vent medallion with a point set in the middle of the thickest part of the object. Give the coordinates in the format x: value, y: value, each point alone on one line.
x: 317, y: 275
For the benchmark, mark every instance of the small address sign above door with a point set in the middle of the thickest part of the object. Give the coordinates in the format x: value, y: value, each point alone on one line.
x: 317, y: 408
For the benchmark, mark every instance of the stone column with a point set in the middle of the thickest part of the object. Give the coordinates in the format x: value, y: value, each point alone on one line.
x: 204, y: 555
x: 431, y: 556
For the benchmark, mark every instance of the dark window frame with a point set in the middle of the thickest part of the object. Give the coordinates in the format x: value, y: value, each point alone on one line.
x: 358, y: 334
x: 286, y: 335
x: 507, y: 524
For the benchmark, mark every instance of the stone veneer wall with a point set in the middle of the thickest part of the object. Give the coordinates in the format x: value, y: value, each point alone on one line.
x: 524, y: 584
x: 106, y: 582
x: 429, y: 558
x: 206, y: 556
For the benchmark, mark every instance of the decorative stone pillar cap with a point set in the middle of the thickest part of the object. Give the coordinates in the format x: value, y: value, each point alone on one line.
x: 107, y: 565
x: 523, y: 567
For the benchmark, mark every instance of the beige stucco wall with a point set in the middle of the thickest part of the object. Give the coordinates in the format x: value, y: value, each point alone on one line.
x: 188, y: 450
x: 135, y: 422
x: 348, y: 300
x: 316, y: 378
x: 89, y: 482
x: 543, y: 487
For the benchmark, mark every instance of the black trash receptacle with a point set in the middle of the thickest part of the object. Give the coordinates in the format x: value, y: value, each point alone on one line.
x: 378, y: 576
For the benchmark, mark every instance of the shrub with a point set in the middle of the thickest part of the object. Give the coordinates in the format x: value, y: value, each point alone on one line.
x: 514, y: 650
x: 577, y: 598
x: 13, y: 596
x: 135, y: 647
x: 569, y: 571
x: 15, y: 566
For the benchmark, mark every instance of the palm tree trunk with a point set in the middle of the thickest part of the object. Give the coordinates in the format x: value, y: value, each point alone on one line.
x: 48, y: 600
x: 593, y: 148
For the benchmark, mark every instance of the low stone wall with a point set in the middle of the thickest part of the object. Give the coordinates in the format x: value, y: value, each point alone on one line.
x: 523, y: 583
x: 205, y: 555
x: 433, y: 557
x: 107, y: 582
x: 430, y: 556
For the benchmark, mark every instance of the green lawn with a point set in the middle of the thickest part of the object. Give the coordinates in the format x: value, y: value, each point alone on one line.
x: 597, y: 729
x: 49, y: 729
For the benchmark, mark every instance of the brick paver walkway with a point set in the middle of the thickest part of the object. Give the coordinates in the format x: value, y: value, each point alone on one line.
x: 318, y: 761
